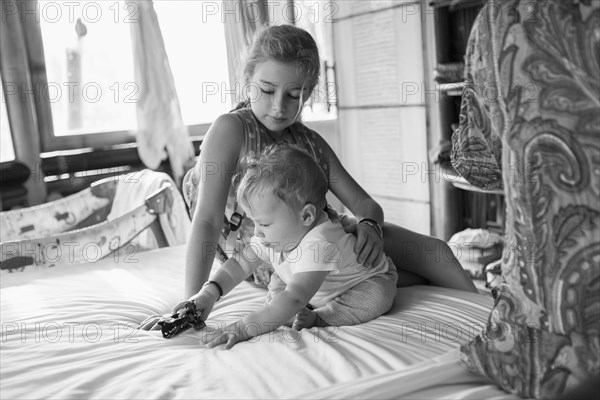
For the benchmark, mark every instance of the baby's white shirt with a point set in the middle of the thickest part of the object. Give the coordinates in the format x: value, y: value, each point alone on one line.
x: 326, y: 247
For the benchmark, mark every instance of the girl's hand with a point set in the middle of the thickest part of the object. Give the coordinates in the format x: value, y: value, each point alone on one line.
x: 204, y: 300
x: 230, y: 335
x: 369, y: 244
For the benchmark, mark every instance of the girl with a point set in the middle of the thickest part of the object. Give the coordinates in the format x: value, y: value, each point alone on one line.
x: 280, y: 74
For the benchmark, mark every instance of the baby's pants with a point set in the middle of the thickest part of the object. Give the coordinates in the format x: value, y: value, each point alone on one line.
x: 365, y: 301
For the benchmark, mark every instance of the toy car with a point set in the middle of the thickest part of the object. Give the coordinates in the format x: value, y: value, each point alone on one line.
x: 178, y: 322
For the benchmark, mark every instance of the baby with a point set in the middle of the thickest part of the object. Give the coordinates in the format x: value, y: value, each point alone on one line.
x: 317, y: 279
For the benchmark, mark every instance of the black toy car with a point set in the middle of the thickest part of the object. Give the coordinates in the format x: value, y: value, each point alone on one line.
x: 178, y: 322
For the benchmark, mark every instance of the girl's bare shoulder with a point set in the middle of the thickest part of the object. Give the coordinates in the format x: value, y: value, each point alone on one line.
x: 225, y: 134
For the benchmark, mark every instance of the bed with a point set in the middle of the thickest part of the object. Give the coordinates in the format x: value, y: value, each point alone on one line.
x: 69, y: 332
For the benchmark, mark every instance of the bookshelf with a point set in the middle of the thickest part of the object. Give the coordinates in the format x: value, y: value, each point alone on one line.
x: 457, y: 205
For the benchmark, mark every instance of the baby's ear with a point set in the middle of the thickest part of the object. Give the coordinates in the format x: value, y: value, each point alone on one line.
x: 309, y: 214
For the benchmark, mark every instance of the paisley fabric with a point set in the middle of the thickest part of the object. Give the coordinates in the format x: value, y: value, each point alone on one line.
x: 257, y: 138
x: 530, y: 123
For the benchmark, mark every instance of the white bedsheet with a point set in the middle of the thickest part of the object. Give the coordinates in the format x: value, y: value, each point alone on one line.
x: 67, y: 333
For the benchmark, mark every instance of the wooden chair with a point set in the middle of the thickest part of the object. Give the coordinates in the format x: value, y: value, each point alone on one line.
x: 74, y: 229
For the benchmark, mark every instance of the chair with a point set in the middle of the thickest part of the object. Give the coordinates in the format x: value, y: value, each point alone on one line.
x: 76, y: 229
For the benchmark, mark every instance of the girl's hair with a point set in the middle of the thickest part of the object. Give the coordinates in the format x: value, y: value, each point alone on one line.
x: 285, y: 44
x: 289, y: 173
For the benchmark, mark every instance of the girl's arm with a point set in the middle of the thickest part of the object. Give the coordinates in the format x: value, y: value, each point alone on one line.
x: 297, y: 294
x: 218, y: 159
x: 228, y: 276
x: 234, y: 271
x: 350, y: 193
x: 369, y: 243
x: 220, y: 152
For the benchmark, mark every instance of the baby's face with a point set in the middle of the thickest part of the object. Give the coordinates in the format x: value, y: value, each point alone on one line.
x: 276, y: 224
x: 275, y: 92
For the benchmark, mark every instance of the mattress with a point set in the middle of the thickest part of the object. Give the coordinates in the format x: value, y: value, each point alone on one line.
x: 69, y: 332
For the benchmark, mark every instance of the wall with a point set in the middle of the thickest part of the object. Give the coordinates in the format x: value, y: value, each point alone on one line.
x: 382, y: 115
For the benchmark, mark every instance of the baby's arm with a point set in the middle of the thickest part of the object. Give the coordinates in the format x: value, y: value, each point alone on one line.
x: 297, y: 294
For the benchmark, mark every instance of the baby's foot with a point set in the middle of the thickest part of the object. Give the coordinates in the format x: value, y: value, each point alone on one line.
x: 305, y: 319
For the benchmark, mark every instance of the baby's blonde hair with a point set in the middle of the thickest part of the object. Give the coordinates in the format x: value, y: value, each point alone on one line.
x: 289, y: 173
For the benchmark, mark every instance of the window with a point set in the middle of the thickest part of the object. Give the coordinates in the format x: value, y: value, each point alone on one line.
x: 7, y: 152
x: 317, y: 17
x: 194, y: 36
x: 89, y: 67
x: 87, y: 93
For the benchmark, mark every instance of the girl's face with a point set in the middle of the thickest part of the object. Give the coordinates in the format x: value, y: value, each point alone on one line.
x: 276, y: 224
x: 275, y: 92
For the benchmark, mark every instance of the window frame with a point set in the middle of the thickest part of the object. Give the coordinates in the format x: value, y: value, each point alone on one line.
x: 48, y: 140
x: 326, y: 91
x: 10, y: 129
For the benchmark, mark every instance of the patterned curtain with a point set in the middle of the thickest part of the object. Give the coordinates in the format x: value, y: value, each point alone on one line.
x: 161, y: 131
x: 530, y: 123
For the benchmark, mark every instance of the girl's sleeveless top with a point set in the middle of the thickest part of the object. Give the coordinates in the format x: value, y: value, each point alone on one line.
x: 257, y: 137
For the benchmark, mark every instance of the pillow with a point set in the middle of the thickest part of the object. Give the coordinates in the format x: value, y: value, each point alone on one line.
x: 530, y: 115
x: 475, y: 249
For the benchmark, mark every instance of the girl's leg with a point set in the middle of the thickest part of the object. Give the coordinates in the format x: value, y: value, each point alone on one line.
x: 424, y: 259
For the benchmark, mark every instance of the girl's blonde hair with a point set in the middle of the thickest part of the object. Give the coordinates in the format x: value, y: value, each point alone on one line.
x: 285, y: 44
x: 286, y: 171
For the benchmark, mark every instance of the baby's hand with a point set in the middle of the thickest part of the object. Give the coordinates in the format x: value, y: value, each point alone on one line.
x: 230, y: 335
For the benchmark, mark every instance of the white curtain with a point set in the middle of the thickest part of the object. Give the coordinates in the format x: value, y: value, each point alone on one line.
x: 161, y: 131
x: 242, y: 19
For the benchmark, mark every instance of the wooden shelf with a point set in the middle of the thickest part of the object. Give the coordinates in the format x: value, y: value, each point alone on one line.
x: 450, y: 175
x: 457, y: 4
x: 447, y: 38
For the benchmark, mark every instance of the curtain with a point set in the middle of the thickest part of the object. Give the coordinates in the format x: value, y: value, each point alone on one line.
x: 161, y: 131
x: 536, y: 135
x: 242, y: 19
x: 17, y: 80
